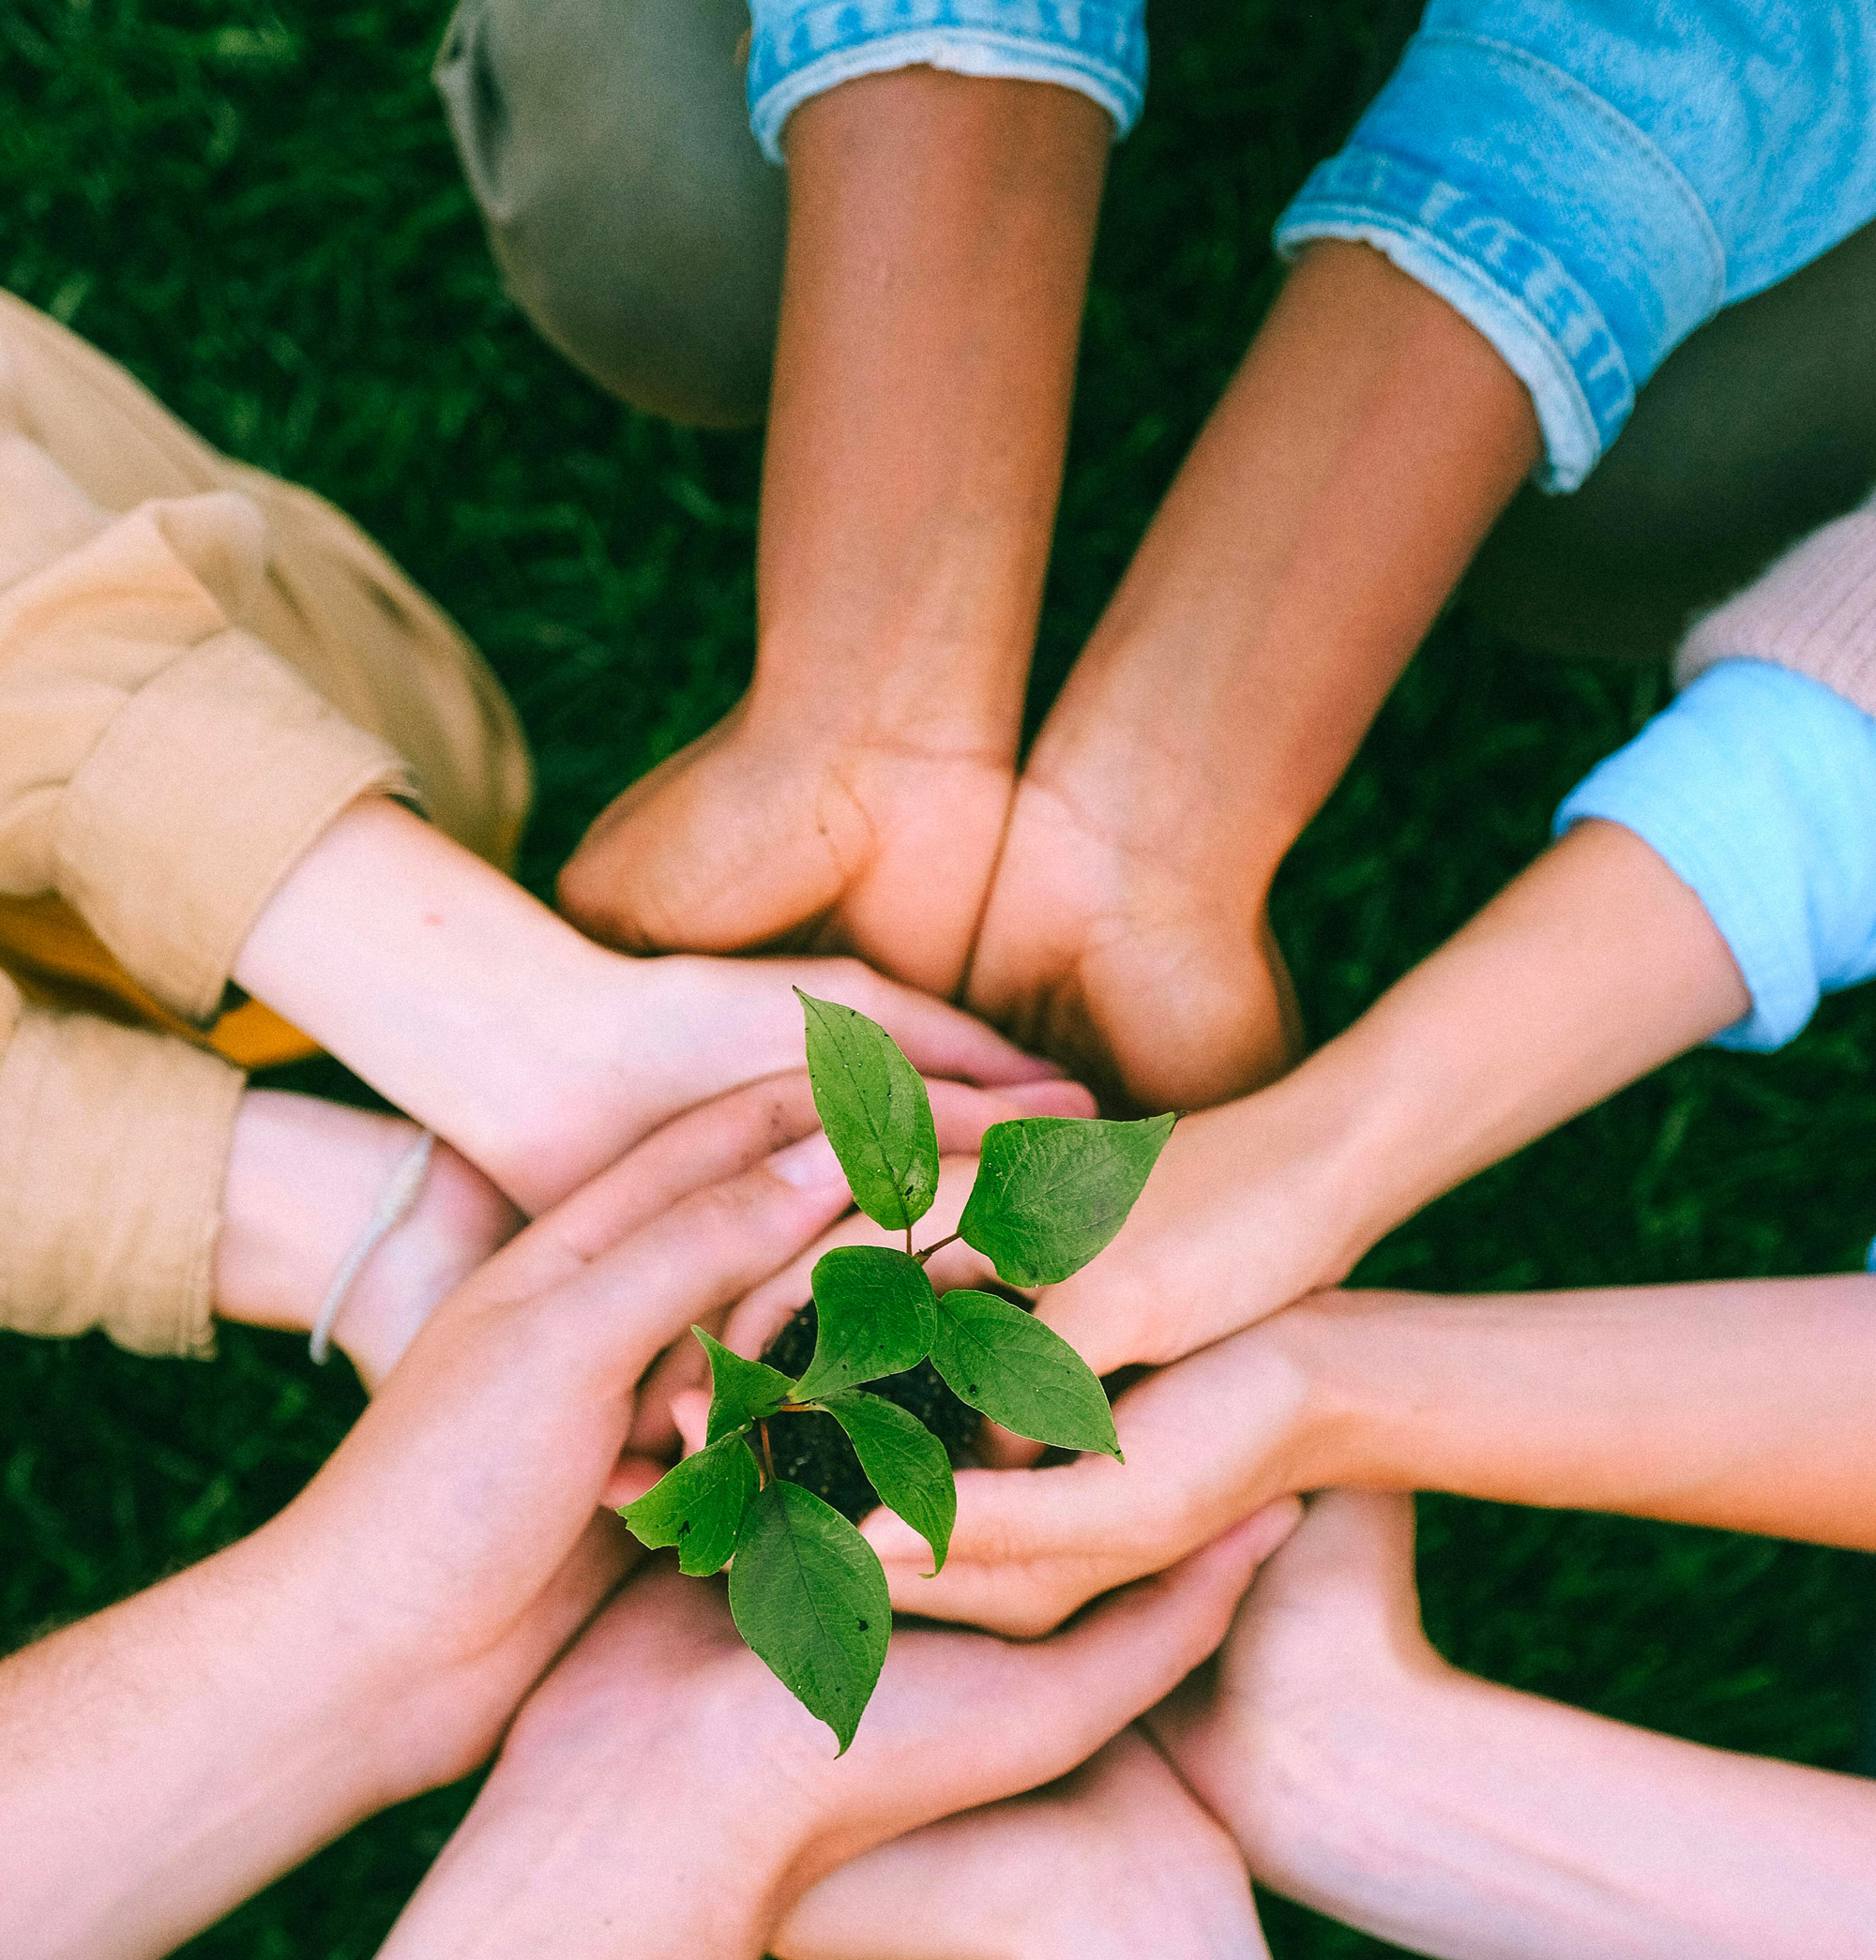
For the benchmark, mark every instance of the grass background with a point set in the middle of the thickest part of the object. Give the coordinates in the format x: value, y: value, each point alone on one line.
x: 256, y: 208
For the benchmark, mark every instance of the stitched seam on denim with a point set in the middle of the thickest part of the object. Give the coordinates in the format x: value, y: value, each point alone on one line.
x: 1606, y: 112
x: 1586, y: 328
x: 1570, y: 451
x: 1037, y: 61
x: 1104, y: 35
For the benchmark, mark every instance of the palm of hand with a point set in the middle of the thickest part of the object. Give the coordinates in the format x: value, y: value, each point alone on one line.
x: 746, y: 840
x: 1107, y: 946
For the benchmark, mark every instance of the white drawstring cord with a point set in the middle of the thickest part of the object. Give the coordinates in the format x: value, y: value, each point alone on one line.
x: 394, y: 1206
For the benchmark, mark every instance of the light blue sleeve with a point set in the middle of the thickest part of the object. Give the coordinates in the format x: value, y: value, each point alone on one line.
x: 1587, y: 181
x: 798, y: 48
x: 1758, y: 788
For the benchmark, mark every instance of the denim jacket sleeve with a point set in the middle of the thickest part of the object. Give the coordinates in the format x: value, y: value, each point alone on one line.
x: 1587, y: 181
x: 798, y: 48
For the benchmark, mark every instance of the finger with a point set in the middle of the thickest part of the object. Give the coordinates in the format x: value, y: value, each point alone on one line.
x: 1028, y: 1548
x: 690, y: 1413
x: 695, y: 1258
x: 704, y: 1146
x: 963, y: 1113
x: 1051, y: 1704
x: 634, y: 1477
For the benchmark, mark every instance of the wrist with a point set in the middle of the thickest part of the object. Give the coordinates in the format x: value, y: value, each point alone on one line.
x: 932, y: 697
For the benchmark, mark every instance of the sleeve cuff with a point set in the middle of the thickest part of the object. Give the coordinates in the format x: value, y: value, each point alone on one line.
x: 798, y: 52
x: 1530, y: 204
x: 208, y: 787
x: 113, y: 1151
x: 1757, y: 789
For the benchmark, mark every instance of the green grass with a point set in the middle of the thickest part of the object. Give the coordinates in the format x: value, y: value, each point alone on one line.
x: 256, y: 208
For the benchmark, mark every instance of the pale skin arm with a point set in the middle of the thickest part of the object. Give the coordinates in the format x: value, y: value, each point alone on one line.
x: 1593, y: 967
x: 940, y: 228
x: 373, y: 1638
x: 1364, y: 1776
x: 1741, y: 1405
x: 539, y: 1055
x: 303, y: 1181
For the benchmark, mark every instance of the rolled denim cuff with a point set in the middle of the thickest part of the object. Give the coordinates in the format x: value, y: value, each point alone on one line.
x: 1537, y: 210
x: 797, y: 52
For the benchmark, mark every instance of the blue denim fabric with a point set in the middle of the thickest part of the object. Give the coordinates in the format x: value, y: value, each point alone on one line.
x: 1758, y: 788
x: 801, y: 47
x: 1589, y: 180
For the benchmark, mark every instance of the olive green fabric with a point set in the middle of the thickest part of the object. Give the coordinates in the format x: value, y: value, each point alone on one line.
x: 1757, y: 429
x: 635, y: 220
x: 626, y: 204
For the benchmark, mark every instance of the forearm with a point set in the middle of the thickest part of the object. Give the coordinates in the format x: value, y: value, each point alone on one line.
x: 164, y: 1759
x: 940, y: 229
x: 1359, y: 456
x: 454, y: 993
x: 304, y: 1180
x: 1419, y: 1820
x: 1592, y: 969
x: 1741, y: 1405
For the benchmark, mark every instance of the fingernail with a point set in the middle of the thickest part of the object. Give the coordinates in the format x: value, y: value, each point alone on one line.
x: 809, y: 1164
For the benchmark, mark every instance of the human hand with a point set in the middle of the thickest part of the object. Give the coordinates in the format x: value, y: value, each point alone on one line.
x: 539, y: 1055
x: 454, y: 1533
x: 769, y: 832
x: 661, y: 1793
x: 1114, y: 1860
x: 1325, y: 1657
x: 1207, y: 1442
x: 1124, y: 938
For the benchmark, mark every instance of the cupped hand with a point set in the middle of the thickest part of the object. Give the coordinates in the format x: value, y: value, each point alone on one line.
x: 661, y: 1793
x: 456, y: 1526
x: 1114, y: 1860
x: 1126, y: 941
x: 759, y: 835
x: 1207, y: 1442
x: 1326, y: 1649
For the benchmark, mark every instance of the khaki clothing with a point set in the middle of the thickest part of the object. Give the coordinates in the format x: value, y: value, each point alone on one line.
x: 200, y: 667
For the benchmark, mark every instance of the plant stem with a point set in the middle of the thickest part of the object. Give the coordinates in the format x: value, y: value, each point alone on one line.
x: 908, y: 1242
x: 768, y: 1461
x: 937, y: 1247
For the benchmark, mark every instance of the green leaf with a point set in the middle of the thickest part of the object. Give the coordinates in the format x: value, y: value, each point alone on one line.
x: 809, y: 1595
x: 698, y: 1506
x: 905, y: 1463
x: 875, y: 1111
x: 1021, y: 1374
x: 1052, y: 1190
x: 874, y: 1307
x: 743, y: 1392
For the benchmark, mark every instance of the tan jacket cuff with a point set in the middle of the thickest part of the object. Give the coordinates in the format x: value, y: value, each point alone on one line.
x: 1814, y: 611
x: 208, y: 785
x: 113, y: 1151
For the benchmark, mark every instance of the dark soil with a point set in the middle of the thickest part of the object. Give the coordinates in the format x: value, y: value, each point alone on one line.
x: 814, y: 1451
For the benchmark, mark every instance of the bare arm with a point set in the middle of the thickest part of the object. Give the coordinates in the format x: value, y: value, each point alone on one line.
x: 1362, y: 449
x: 1363, y: 1775
x: 1743, y: 1404
x: 1593, y: 967
x: 940, y: 228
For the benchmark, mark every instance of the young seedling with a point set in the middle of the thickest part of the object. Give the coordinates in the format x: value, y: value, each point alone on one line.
x: 807, y: 1591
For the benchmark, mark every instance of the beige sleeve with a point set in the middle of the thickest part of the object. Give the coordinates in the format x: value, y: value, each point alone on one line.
x: 160, y: 769
x: 113, y: 1151
x: 1813, y: 611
